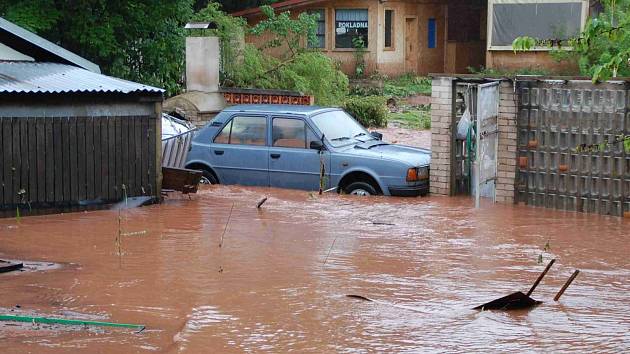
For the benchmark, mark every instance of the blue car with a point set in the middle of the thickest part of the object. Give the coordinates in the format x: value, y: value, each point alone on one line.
x: 305, y: 147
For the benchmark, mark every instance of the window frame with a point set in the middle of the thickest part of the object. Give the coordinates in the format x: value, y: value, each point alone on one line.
x: 230, y: 121
x: 325, y: 20
x: 392, y: 30
x: 334, y: 29
x: 490, y: 20
x: 307, y: 128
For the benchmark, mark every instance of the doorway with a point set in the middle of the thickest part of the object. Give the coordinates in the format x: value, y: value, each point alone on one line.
x: 411, y: 44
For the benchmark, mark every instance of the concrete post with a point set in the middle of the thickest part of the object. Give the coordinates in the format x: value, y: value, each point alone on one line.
x: 441, y: 116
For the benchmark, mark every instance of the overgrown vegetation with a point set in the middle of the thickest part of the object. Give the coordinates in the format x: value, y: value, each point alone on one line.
x: 292, y: 67
x: 370, y: 111
x: 407, y: 85
x: 414, y: 117
x: 359, y: 56
x: 602, y: 50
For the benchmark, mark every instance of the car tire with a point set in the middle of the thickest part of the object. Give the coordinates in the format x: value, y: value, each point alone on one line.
x: 208, y: 178
x: 360, y: 188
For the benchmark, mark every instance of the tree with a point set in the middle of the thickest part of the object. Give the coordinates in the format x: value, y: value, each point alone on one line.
x: 139, y: 40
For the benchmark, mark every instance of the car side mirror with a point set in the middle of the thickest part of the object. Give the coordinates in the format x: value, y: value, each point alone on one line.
x: 317, y: 145
x: 377, y: 135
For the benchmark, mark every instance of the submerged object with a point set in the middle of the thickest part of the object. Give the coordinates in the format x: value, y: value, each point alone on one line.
x: 6, y: 266
x: 517, y: 300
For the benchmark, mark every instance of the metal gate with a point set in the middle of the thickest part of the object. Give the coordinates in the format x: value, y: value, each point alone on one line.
x: 487, y: 141
x: 569, y: 156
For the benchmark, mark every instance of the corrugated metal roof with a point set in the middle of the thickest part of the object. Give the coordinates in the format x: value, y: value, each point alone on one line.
x: 47, y: 46
x: 29, y: 77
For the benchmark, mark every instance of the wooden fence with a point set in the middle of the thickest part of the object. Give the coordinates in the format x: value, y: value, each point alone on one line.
x: 66, y: 162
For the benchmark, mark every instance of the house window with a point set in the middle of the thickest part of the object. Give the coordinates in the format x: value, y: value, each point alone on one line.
x: 543, y: 20
x: 389, y: 19
x: 321, y: 29
x: 244, y: 131
x: 350, y: 24
x: 432, y: 33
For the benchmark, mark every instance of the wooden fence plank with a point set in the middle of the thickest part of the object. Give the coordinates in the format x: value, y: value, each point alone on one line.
x: 65, y: 155
x: 51, y: 169
x: 3, y: 154
x: 88, y: 157
x: 111, y: 160
x: 40, y: 127
x: 17, y: 160
x: 96, y: 126
x: 73, y: 151
x: 137, y: 138
x: 24, y: 161
x: 144, y: 138
x: 152, y: 183
x: 118, y: 158
x: 31, y: 128
x: 124, y: 153
x: 58, y: 159
x: 81, y: 163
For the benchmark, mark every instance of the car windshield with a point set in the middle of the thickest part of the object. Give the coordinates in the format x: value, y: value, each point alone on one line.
x: 339, y: 128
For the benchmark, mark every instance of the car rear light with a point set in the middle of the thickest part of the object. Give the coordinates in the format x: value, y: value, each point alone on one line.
x: 412, y: 175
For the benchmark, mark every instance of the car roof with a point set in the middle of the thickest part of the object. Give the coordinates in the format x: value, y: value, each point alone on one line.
x: 279, y: 108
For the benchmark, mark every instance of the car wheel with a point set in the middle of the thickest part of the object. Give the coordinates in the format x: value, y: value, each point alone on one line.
x: 208, y: 178
x: 360, y: 188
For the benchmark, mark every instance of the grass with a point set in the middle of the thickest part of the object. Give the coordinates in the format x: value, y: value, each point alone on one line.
x: 415, y: 117
x: 407, y: 85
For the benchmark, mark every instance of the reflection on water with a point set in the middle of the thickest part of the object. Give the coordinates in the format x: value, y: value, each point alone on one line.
x: 279, y: 281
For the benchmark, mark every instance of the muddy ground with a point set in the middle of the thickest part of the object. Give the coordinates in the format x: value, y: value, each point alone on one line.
x: 279, y: 281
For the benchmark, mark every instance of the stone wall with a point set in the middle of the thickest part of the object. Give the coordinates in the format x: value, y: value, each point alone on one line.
x: 441, y: 116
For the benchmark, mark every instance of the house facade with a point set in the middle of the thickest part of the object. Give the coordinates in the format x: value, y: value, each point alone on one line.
x: 431, y: 36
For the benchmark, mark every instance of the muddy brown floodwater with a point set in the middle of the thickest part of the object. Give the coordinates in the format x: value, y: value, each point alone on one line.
x: 279, y: 281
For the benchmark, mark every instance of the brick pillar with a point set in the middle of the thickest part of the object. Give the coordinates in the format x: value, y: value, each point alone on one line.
x: 441, y: 115
x: 507, y: 143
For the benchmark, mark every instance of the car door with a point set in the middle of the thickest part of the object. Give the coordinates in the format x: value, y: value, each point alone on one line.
x: 292, y: 163
x: 239, y: 153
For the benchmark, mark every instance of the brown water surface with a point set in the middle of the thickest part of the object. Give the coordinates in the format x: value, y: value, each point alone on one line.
x: 279, y: 281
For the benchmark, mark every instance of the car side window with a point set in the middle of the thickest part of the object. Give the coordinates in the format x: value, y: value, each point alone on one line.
x: 242, y: 130
x: 289, y: 133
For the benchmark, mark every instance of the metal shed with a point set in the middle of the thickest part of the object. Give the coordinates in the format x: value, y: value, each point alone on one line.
x: 71, y: 138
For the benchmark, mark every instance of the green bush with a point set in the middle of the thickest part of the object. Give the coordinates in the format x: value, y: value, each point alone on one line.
x: 407, y: 85
x: 370, y: 111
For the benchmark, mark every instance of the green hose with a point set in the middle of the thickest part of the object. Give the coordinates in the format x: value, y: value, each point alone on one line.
x: 66, y: 322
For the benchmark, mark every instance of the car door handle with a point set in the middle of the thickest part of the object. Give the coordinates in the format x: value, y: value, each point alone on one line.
x: 218, y: 152
x: 275, y: 156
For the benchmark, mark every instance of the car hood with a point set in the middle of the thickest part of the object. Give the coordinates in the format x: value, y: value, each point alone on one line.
x: 379, y: 149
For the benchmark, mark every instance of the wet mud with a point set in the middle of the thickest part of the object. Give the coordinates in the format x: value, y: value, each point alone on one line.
x: 279, y: 280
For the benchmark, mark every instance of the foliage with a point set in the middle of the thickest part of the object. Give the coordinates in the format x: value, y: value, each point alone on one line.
x: 296, y: 68
x: 415, y: 118
x: 370, y: 111
x: 602, y: 49
x: 359, y: 56
x: 287, y: 31
x: 407, y: 85
x: 230, y: 31
x: 137, y: 40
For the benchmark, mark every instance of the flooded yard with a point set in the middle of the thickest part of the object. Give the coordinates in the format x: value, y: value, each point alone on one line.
x: 275, y: 279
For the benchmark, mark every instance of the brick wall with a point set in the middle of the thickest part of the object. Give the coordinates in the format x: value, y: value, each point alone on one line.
x: 507, y: 143
x: 441, y: 115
